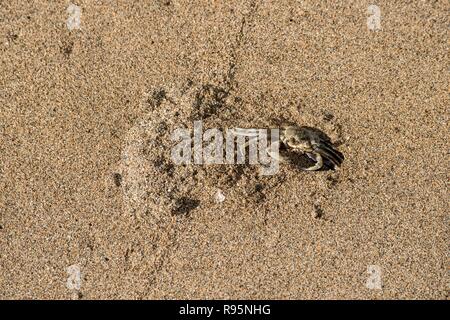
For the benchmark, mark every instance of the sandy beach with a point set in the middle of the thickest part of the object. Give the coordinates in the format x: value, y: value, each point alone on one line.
x: 93, y: 207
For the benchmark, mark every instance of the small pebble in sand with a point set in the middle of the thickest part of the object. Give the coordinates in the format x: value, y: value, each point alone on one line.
x: 219, y: 197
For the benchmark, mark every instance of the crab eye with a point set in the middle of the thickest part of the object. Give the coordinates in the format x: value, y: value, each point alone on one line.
x: 293, y: 140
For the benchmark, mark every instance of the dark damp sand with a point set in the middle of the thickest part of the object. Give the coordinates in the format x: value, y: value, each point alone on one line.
x: 85, y: 117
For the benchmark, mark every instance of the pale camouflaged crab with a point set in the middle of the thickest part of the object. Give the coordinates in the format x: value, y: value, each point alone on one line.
x: 312, y: 142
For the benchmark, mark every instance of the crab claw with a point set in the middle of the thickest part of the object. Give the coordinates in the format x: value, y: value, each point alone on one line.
x: 326, y: 150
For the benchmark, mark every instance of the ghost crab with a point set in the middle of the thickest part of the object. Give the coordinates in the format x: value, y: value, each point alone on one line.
x: 312, y: 142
